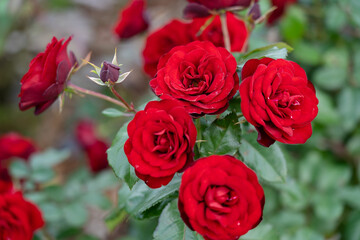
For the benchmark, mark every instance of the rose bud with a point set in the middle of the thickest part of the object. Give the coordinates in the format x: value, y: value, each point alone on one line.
x: 132, y: 20
x: 201, y: 76
x: 279, y: 100
x: 220, y: 198
x: 19, y: 218
x: 161, y: 142
x: 254, y: 12
x: 281, y: 6
x: 46, y: 78
x: 109, y: 72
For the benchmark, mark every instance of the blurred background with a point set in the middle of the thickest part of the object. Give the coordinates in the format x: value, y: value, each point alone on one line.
x: 321, y: 199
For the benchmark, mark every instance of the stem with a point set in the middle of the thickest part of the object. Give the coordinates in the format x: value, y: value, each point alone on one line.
x: 199, y: 133
x: 129, y: 108
x: 225, y: 31
x: 96, y: 94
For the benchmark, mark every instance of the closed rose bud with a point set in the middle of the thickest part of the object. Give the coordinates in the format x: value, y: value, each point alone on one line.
x: 109, y: 72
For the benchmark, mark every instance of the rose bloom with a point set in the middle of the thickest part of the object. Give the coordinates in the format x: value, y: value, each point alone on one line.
x: 278, y: 99
x: 220, y: 198
x: 203, y: 77
x: 237, y: 31
x: 46, y: 78
x: 281, y: 6
x: 219, y: 4
x: 161, y: 142
x: 13, y: 145
x: 163, y: 40
x: 94, y: 147
x: 19, y: 219
x: 158, y: 43
x: 132, y: 20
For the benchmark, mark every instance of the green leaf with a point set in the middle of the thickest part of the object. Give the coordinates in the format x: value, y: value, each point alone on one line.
x: 42, y: 175
x: 51, y: 212
x: 327, y: 114
x: 350, y: 195
x: 293, y: 26
x: 171, y: 226
x: 75, y: 214
x: 307, y: 234
x: 19, y: 169
x: 330, y: 78
x: 352, y: 226
x: 112, y: 112
x: 261, y: 232
x: 348, y: 107
x: 142, y: 199
x: 48, y: 159
x: 268, y: 163
x: 221, y: 137
x: 328, y: 207
x: 118, y: 160
x: 276, y: 50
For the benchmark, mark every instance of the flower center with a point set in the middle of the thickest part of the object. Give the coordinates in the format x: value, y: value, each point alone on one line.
x: 283, y: 99
x: 163, y: 141
x: 220, y: 198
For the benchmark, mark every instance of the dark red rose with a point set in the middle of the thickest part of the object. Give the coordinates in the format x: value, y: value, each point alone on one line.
x: 237, y: 31
x: 94, y: 147
x: 109, y: 72
x: 161, y: 142
x: 281, y: 6
x: 203, y: 77
x: 5, y: 186
x: 46, y: 78
x: 13, y: 145
x: 220, y: 198
x: 278, y: 99
x: 19, y: 219
x: 132, y: 20
x: 158, y: 43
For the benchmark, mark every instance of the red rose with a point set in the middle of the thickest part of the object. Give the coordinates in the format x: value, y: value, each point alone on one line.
x: 237, y: 31
x: 132, y: 20
x: 161, y: 142
x: 278, y: 99
x: 158, y: 43
x: 13, y: 145
x: 94, y: 147
x: 281, y: 6
x: 5, y: 186
x: 220, y: 198
x: 18, y: 218
x: 46, y: 77
x: 203, y: 77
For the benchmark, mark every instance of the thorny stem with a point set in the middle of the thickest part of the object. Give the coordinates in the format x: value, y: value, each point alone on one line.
x: 96, y: 94
x: 129, y: 108
x: 225, y: 31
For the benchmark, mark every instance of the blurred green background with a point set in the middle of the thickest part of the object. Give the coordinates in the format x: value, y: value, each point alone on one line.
x: 321, y: 198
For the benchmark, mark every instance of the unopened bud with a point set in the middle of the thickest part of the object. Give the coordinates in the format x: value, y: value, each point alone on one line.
x: 109, y: 72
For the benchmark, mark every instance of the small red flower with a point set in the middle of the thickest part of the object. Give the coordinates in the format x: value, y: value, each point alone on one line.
x: 201, y: 76
x: 279, y: 100
x: 13, y: 145
x: 281, y: 6
x: 220, y: 198
x: 46, y: 78
x: 94, y: 147
x: 161, y: 142
x: 19, y: 218
x: 132, y: 20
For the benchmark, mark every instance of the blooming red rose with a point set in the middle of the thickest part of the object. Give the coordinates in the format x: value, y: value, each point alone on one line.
x: 132, y: 20
x: 19, y: 219
x: 162, y: 41
x: 281, y: 6
x: 203, y: 77
x: 13, y: 145
x: 161, y: 142
x: 94, y: 147
x: 220, y: 198
x: 5, y: 186
x: 237, y: 31
x: 46, y: 77
x: 278, y: 99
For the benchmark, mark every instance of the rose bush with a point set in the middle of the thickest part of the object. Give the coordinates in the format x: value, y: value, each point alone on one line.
x: 18, y: 217
x: 278, y: 99
x: 220, y: 198
x: 203, y: 77
x: 132, y: 20
x: 161, y: 142
x: 46, y: 78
